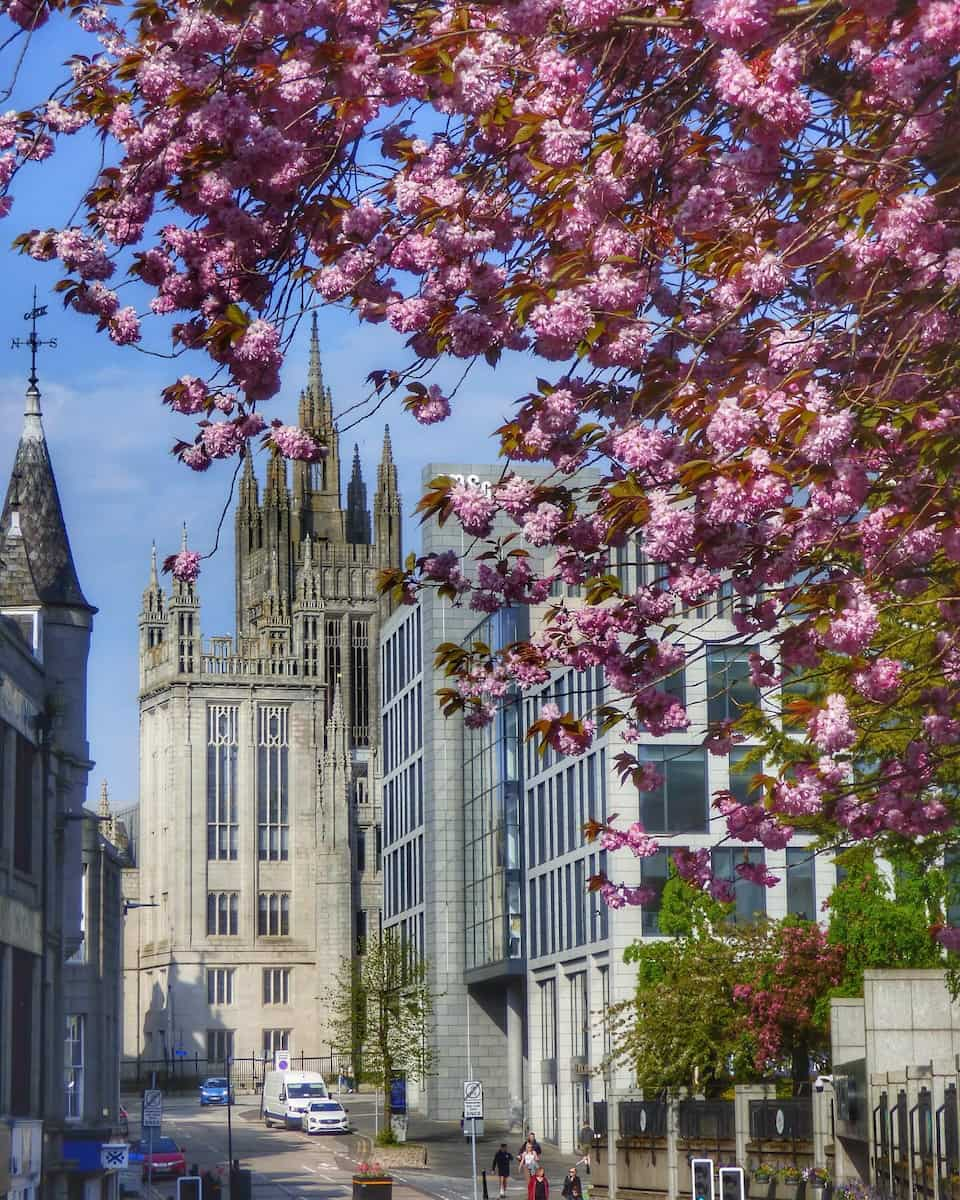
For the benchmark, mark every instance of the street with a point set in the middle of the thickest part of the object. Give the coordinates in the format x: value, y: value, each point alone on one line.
x: 290, y: 1163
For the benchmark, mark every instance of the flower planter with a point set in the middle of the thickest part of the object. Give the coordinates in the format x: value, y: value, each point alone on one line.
x: 372, y: 1187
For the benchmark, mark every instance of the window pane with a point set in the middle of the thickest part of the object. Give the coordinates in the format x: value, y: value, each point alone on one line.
x: 687, y: 792
x: 801, y: 888
x: 741, y: 775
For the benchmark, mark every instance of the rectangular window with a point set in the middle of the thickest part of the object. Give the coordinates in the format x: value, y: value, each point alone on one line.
x: 801, y: 887
x: 220, y: 985
x: 23, y: 806
x: 222, y: 750
x: 273, y: 914
x: 273, y: 801
x: 361, y: 932
x: 729, y: 689
x: 654, y: 872
x: 750, y: 899
x: 331, y: 654
x: 73, y: 1068
x: 361, y: 851
x: 360, y: 678
x: 219, y: 1045
x: 275, y: 1039
x: 742, y: 775
x: 579, y: 900
x: 223, y: 912
x: 276, y: 985
x: 80, y: 954
x: 679, y: 804
x: 377, y: 848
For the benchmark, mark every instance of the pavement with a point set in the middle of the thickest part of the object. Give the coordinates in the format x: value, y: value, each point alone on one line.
x: 292, y: 1165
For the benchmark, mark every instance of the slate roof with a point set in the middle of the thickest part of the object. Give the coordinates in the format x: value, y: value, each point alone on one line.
x: 37, y: 566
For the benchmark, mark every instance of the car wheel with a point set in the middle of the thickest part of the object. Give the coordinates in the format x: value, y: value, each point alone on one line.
x: 268, y: 1122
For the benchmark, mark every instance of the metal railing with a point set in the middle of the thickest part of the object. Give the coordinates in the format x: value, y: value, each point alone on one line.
x: 246, y: 1074
x: 706, y: 1120
x: 781, y: 1120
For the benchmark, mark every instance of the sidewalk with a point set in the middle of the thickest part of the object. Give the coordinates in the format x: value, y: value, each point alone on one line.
x: 449, y: 1152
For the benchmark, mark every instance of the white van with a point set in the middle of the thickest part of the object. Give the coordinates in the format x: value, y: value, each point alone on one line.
x: 287, y: 1095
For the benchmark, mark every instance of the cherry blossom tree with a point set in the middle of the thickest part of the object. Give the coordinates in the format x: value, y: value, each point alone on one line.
x: 727, y: 235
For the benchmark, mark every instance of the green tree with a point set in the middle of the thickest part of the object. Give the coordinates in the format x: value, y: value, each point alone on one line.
x: 381, y: 1014
x: 722, y: 1003
x: 884, y: 921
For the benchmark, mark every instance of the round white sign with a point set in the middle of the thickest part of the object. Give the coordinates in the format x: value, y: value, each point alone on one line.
x: 643, y: 1120
x: 781, y: 1121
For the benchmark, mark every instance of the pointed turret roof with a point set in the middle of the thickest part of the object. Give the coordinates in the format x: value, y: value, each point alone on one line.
x: 36, y: 563
x: 358, y: 518
x: 387, y: 470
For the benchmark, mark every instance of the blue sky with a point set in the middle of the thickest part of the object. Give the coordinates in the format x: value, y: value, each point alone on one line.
x: 110, y: 437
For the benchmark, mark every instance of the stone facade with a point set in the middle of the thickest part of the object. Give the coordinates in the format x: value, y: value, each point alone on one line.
x: 59, y: 993
x: 534, y: 973
x: 257, y: 867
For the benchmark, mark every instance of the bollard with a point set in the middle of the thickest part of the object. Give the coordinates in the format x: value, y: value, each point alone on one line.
x: 486, y: 1194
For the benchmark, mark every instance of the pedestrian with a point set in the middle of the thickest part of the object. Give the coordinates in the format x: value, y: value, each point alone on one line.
x: 529, y: 1158
x: 572, y: 1186
x: 501, y: 1164
x: 529, y: 1154
x: 538, y: 1186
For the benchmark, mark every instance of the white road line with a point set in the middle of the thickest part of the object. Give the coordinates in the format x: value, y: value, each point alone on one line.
x: 312, y: 1170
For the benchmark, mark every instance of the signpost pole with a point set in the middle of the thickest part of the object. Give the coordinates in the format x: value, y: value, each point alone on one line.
x: 473, y: 1120
x: 153, y: 1084
x: 230, y: 1124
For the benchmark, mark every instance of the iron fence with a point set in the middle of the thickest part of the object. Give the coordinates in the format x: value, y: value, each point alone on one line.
x: 643, y: 1118
x: 184, y: 1073
x: 707, y: 1120
x: 780, y: 1120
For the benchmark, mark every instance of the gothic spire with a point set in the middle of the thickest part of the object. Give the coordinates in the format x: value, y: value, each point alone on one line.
x: 153, y: 599
x: 38, y: 564
x: 249, y: 496
x: 315, y: 371
x: 275, y: 491
x: 358, y: 517
x: 104, y: 809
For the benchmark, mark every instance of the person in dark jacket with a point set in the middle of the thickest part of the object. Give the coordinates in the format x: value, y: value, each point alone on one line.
x: 538, y: 1186
x: 572, y: 1185
x: 501, y: 1164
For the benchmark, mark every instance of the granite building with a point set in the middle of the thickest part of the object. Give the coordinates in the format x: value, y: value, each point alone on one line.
x: 59, y: 1005
x: 486, y: 868
x: 257, y: 855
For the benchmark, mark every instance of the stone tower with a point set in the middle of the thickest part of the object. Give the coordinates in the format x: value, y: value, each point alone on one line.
x: 259, y: 842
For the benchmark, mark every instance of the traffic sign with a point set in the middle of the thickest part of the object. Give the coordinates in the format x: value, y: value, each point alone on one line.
x: 114, y: 1156
x: 473, y: 1100
x: 152, y: 1116
x: 281, y: 1060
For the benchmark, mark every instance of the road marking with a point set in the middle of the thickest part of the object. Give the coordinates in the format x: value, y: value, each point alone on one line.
x: 313, y: 1170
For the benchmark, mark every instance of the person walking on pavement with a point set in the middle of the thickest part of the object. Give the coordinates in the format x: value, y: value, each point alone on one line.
x: 572, y: 1186
x: 501, y: 1164
x: 538, y: 1186
x: 530, y: 1154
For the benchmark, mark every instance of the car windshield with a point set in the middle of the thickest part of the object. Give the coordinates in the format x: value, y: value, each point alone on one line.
x: 215, y: 1083
x: 330, y: 1106
x: 161, y: 1145
x: 305, y: 1091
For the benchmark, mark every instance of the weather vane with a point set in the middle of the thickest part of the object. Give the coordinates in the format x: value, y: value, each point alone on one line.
x: 33, y: 341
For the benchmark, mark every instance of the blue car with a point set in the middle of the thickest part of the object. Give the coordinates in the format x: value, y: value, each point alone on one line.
x: 216, y: 1091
